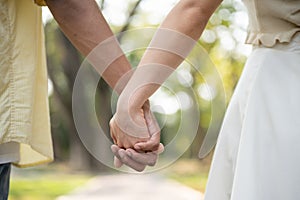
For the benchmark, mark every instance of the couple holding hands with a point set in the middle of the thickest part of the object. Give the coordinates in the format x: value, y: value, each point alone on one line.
x: 257, y: 154
x: 258, y: 145
x: 133, y: 128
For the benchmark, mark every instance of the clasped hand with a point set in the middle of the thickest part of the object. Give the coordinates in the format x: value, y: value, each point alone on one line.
x: 136, y: 135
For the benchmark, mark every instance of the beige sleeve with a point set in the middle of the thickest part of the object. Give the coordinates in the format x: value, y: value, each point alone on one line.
x: 40, y: 2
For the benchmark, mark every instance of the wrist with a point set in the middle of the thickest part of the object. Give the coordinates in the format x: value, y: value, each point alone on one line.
x: 130, y: 118
x: 129, y: 104
x: 121, y: 83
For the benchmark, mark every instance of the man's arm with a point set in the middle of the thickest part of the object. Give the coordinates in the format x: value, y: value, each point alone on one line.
x: 84, y: 25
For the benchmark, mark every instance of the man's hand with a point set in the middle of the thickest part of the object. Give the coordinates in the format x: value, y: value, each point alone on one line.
x: 133, y: 159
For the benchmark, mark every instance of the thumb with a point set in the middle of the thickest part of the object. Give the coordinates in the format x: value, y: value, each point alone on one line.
x: 150, y: 119
x: 153, y: 143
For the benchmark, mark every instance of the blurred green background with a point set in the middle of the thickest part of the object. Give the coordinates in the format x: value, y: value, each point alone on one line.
x: 223, y: 40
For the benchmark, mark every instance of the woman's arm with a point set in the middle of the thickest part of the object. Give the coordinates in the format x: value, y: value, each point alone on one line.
x: 170, y: 45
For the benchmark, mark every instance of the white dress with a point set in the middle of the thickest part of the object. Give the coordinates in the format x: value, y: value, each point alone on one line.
x: 257, y: 156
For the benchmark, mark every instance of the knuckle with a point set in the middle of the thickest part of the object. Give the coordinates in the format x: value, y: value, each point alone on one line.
x: 118, y: 143
x: 152, y: 161
x: 125, y: 160
x: 155, y: 146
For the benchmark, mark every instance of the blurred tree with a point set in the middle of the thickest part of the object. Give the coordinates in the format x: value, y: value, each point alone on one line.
x: 63, y: 62
x: 221, y: 39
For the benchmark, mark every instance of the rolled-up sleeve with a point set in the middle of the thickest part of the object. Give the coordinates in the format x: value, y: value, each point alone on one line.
x: 40, y: 2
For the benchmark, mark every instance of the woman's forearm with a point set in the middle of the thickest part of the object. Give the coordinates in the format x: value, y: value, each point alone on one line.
x: 171, y: 44
x: 83, y: 23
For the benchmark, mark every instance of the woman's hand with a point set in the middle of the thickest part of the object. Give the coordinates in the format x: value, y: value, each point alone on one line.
x: 144, y: 153
x: 128, y: 128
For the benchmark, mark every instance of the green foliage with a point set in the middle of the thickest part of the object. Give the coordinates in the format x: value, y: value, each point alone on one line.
x: 196, y: 181
x: 44, y: 188
x: 190, y: 172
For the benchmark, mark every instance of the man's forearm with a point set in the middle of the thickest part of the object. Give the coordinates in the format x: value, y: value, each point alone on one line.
x: 171, y: 44
x: 83, y: 23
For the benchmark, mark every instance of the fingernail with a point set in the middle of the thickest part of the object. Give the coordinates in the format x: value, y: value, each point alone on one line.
x: 129, y: 153
x: 121, y: 154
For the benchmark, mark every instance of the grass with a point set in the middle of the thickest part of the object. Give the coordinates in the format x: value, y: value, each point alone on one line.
x: 49, y: 182
x: 192, y: 173
x: 43, y: 189
x: 43, y: 184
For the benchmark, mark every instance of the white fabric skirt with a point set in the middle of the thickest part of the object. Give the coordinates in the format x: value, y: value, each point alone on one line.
x: 257, y: 156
